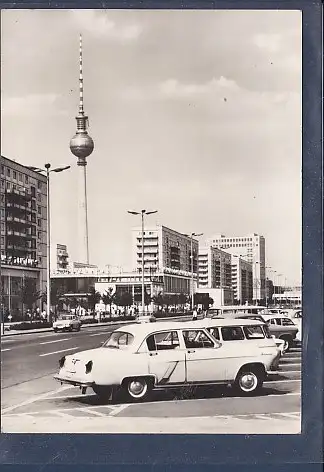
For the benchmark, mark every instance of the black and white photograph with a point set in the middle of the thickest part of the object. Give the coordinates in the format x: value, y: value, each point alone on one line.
x: 151, y: 200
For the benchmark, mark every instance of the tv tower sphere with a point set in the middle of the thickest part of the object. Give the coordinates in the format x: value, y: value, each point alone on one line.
x: 81, y: 145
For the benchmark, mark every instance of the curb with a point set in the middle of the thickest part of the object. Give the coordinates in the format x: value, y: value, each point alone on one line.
x: 90, y: 325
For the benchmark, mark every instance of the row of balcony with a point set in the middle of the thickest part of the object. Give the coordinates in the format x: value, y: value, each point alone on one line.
x: 20, y: 234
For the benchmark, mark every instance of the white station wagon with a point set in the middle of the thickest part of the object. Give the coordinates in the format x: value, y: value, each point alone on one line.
x: 141, y: 357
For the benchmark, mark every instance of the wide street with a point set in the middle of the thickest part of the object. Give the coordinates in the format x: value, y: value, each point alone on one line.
x: 33, y: 401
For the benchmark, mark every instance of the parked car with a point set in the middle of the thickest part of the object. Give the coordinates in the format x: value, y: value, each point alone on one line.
x: 139, y: 358
x: 243, y: 330
x: 145, y: 318
x: 281, y: 330
x: 67, y: 323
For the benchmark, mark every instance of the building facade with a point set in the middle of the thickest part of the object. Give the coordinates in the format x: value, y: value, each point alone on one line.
x: 23, y: 220
x: 59, y: 257
x: 242, y: 280
x: 214, y: 268
x: 167, y: 253
x: 251, y: 248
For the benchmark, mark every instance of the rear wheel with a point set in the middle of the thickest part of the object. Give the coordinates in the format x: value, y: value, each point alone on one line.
x: 103, y: 392
x: 249, y: 380
x: 138, y: 389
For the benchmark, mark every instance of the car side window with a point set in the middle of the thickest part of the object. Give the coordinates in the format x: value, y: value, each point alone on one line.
x: 278, y: 320
x: 163, y: 341
x: 287, y: 322
x: 197, y: 339
x: 253, y: 332
x: 232, y: 333
x: 214, y: 332
x: 272, y: 321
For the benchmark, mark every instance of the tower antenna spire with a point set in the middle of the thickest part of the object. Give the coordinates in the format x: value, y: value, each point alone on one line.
x: 81, y: 111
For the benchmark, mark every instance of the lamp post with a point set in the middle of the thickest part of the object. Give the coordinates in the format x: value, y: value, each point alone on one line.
x: 48, y: 229
x: 266, y: 287
x: 192, y: 273
x: 142, y: 213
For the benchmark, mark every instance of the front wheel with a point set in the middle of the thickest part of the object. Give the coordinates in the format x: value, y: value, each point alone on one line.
x: 248, y: 381
x: 138, y: 389
x: 287, y: 345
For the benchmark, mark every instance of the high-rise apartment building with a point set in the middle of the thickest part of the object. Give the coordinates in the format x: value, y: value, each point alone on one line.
x: 242, y: 280
x: 23, y: 218
x: 251, y: 248
x: 168, y: 253
x: 214, y: 268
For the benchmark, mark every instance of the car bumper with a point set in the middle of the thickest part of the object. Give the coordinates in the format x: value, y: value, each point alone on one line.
x: 72, y: 381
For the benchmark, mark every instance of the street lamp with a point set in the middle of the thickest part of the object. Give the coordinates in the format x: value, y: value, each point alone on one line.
x: 142, y: 213
x: 192, y: 259
x: 48, y: 268
x: 266, y: 285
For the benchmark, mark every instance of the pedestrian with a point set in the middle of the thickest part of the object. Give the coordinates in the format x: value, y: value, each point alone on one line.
x: 194, y: 313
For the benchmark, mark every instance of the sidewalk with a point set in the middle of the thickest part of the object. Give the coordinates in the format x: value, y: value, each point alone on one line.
x: 145, y: 425
x: 90, y: 325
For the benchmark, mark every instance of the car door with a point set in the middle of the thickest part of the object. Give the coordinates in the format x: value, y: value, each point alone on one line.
x: 166, y: 357
x: 204, y: 357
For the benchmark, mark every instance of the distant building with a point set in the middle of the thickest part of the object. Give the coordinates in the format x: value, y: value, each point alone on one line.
x: 166, y: 253
x: 59, y: 257
x: 214, y: 268
x: 23, y: 218
x: 250, y: 247
x: 242, y: 280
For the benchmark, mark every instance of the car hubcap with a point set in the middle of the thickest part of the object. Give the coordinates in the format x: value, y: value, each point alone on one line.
x: 137, y: 388
x: 248, y: 382
x: 286, y: 345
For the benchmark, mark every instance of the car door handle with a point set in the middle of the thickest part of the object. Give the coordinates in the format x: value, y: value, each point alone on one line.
x: 191, y: 350
x: 153, y: 353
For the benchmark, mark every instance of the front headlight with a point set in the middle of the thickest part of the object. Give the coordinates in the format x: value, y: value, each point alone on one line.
x: 88, y: 367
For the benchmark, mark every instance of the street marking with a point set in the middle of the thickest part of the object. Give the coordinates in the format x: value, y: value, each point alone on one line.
x: 279, y: 381
x: 96, y: 334
x: 33, y: 400
x: 57, y: 352
x: 119, y: 409
x: 91, y: 412
x: 3, y: 350
x: 56, y: 341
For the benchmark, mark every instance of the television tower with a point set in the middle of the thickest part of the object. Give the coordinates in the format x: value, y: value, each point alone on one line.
x: 81, y: 146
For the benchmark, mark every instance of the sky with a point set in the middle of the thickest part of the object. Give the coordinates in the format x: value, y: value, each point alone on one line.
x: 196, y: 114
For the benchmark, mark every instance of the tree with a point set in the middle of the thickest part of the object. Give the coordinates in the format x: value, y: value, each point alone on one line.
x: 93, y: 298
x: 158, y: 300
x: 56, y: 294
x: 108, y: 298
x: 29, y: 294
x: 183, y: 299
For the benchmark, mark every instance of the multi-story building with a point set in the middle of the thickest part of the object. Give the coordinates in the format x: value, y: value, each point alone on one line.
x: 23, y: 215
x: 214, y: 268
x: 242, y: 280
x: 251, y: 248
x: 167, y: 253
x: 59, y: 257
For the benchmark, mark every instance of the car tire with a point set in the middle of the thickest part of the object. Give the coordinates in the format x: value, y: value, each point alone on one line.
x: 138, y: 389
x: 103, y: 392
x: 249, y: 381
x: 55, y: 330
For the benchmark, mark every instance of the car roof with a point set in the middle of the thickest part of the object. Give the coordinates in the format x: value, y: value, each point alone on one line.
x: 147, y: 328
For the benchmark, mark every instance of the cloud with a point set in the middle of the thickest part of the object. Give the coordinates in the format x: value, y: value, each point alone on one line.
x: 100, y: 24
x: 268, y: 42
x: 32, y: 105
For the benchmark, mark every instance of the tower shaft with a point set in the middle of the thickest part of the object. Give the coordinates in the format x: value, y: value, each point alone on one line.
x: 83, y: 240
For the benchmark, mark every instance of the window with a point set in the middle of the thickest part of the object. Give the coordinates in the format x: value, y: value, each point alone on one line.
x: 26, y: 179
x: 20, y: 177
x: 39, y: 222
x: 39, y: 210
x: 14, y: 173
x: 39, y: 235
x: 278, y: 320
x: 214, y: 332
x: 197, y: 339
x: 8, y: 172
x: 232, y: 333
x: 163, y: 341
x: 119, y: 340
x: 2, y: 183
x: 39, y: 185
x: 2, y: 169
x: 286, y: 322
x: 253, y: 332
x: 8, y: 185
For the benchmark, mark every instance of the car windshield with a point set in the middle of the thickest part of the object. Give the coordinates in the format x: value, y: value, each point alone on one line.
x: 66, y: 317
x: 119, y: 340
